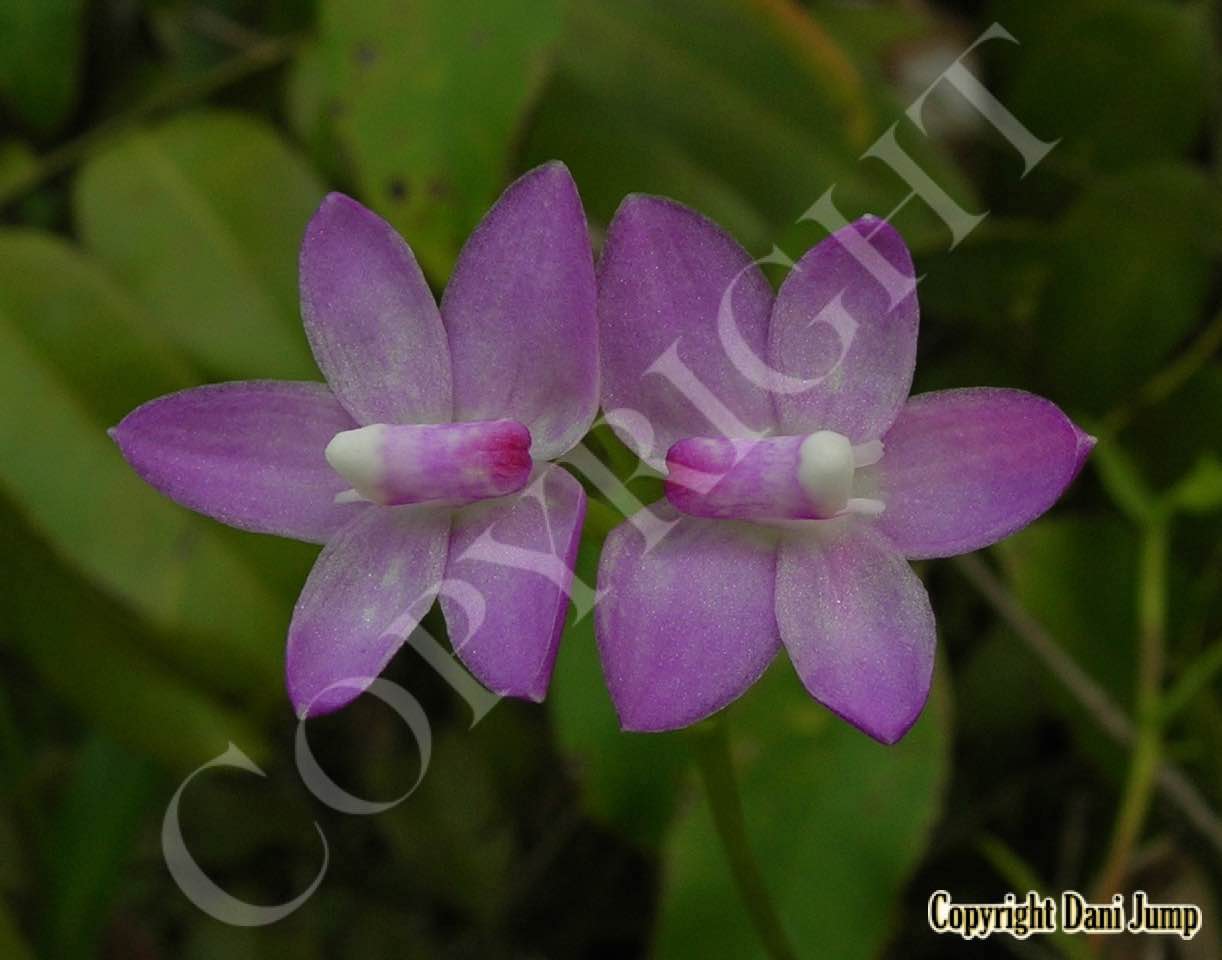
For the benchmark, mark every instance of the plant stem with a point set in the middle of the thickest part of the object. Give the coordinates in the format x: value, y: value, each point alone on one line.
x: 1147, y: 750
x: 711, y: 744
x: 1089, y: 695
x: 1193, y: 680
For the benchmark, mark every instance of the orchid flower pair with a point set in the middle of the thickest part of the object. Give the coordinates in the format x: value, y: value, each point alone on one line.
x: 800, y: 474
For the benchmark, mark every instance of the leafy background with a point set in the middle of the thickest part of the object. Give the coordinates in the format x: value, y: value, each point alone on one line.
x: 158, y: 160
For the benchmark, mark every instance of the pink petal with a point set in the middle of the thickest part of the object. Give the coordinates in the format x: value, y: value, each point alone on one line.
x: 517, y: 553
x: 858, y: 626
x: 962, y: 469
x: 664, y: 274
x: 371, y: 318
x: 247, y: 454
x: 520, y: 314
x: 368, y: 590
x: 688, y: 626
x: 845, y: 321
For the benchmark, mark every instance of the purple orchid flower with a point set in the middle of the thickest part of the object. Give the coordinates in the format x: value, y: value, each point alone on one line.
x: 801, y: 475
x: 423, y: 461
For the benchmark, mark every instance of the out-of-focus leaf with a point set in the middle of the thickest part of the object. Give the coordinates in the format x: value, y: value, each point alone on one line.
x: 979, y: 303
x: 15, y: 872
x: 628, y: 780
x: 1133, y: 266
x: 873, y: 32
x: 1201, y: 490
x: 17, y: 163
x: 427, y: 99
x: 454, y: 832
x: 1078, y: 578
x: 107, y: 800
x: 13, y: 752
x: 748, y: 111
x: 202, y: 218
x: 1169, y: 437
x: 40, y: 46
x: 12, y: 945
x: 1124, y: 483
x: 84, y: 649
x: 310, y: 111
x: 78, y: 320
x: 1120, y: 81
x: 997, y: 717
x: 211, y: 613
x: 990, y: 283
x: 836, y: 821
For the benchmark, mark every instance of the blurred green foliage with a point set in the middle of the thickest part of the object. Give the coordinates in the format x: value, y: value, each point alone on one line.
x: 158, y: 161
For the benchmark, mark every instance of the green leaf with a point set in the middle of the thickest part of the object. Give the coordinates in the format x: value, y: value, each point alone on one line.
x: 1201, y: 490
x: 455, y: 833
x: 1121, y: 82
x: 80, y: 321
x: 628, y: 780
x: 85, y: 650
x: 1134, y: 261
x: 1124, y: 483
x: 1168, y: 438
x: 837, y: 823
x: 18, y: 162
x: 748, y: 111
x: 210, y: 612
x: 428, y: 98
x: 110, y: 794
x: 202, y: 218
x: 309, y: 109
x: 40, y: 52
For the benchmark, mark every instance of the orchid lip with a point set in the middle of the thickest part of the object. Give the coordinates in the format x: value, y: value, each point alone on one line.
x: 813, y: 477
x: 394, y: 464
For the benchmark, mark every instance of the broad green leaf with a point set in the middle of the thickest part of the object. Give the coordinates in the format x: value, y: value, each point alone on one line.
x: 40, y: 53
x: 85, y: 326
x: 748, y: 111
x: 427, y: 99
x: 86, y: 651
x: 209, y: 611
x: 1134, y: 261
x: 837, y: 823
x: 628, y: 780
x: 111, y: 793
x: 309, y: 112
x: 1120, y: 82
x: 77, y: 319
x: 202, y: 218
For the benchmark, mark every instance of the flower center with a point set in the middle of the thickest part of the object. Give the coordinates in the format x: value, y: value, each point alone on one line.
x: 816, y: 477
x: 392, y: 464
